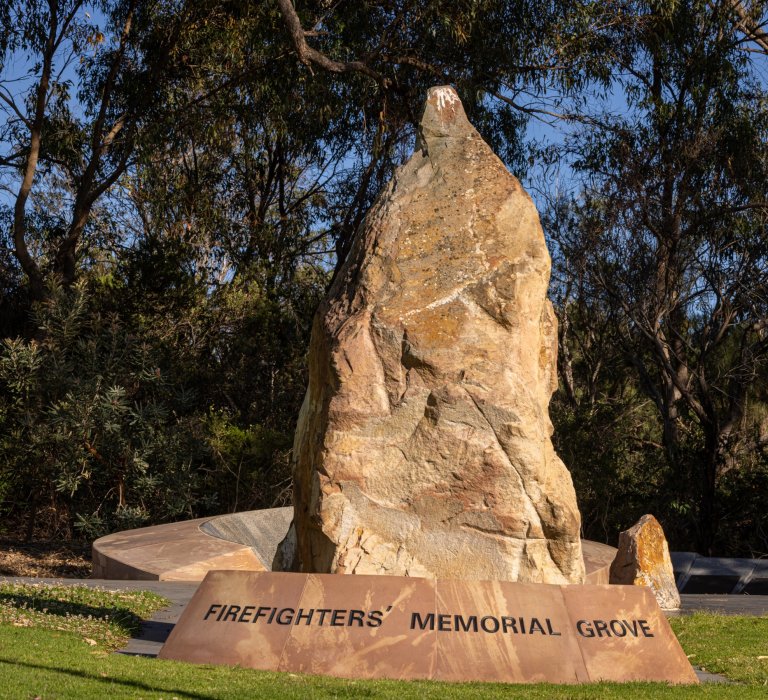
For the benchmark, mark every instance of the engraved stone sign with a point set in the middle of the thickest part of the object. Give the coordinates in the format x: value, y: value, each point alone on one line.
x: 414, y: 628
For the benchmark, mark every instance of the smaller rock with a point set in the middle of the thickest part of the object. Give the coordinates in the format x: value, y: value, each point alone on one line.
x: 643, y: 560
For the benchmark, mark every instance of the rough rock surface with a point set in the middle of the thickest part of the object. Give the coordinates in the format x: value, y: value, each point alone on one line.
x: 643, y: 560
x: 423, y: 445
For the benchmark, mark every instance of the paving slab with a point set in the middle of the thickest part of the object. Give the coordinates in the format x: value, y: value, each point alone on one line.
x: 755, y: 605
x: 714, y: 575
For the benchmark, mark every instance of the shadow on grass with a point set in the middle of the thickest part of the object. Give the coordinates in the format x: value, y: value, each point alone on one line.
x: 336, y: 692
x: 112, y: 680
x: 121, y: 616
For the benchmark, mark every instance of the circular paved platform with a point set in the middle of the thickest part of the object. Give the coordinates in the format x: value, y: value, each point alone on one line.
x: 247, y: 541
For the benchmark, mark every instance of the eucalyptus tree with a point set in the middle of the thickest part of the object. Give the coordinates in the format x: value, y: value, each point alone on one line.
x: 78, y: 79
x: 283, y: 122
x: 85, y: 84
x: 509, y: 60
x: 670, y: 237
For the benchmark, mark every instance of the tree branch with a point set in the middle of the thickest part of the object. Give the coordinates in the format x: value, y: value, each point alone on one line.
x: 28, y: 263
x: 747, y: 26
x: 8, y: 99
x: 309, y: 56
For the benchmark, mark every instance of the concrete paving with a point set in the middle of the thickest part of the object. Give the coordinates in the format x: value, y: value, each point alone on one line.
x: 701, y: 575
x: 755, y: 605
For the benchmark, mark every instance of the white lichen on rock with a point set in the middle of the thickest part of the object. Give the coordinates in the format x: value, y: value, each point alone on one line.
x: 444, y: 96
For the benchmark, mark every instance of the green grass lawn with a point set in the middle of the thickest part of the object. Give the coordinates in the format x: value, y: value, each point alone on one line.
x: 57, y: 643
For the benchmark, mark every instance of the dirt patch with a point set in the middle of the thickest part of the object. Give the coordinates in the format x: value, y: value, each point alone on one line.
x: 45, y: 559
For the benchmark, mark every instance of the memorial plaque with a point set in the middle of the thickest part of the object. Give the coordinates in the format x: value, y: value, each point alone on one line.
x: 353, y: 640
x: 497, y: 630
x: 412, y: 628
x: 626, y: 638
x: 237, y: 618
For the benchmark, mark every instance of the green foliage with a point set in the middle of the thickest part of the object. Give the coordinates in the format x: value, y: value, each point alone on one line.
x: 618, y: 471
x: 119, y: 413
x: 742, y: 492
x: 251, y: 464
x: 88, y: 428
x: 665, y: 242
x: 202, y: 182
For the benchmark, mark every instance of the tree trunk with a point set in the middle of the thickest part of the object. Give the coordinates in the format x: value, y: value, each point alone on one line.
x: 708, y: 524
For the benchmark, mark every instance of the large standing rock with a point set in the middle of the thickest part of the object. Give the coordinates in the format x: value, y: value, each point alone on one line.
x: 423, y: 445
x: 643, y: 559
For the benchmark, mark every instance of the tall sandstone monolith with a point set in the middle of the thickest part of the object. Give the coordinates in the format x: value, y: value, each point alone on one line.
x: 423, y: 445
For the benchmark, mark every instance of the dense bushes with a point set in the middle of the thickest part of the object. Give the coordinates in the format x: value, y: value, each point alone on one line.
x: 89, y: 426
x: 621, y: 474
x: 117, y: 417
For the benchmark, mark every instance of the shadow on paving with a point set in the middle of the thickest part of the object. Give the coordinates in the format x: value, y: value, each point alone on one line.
x: 112, y: 681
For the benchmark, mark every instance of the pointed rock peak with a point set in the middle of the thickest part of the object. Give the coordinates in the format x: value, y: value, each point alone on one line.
x: 423, y: 445
x: 445, y: 100
x: 443, y: 117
